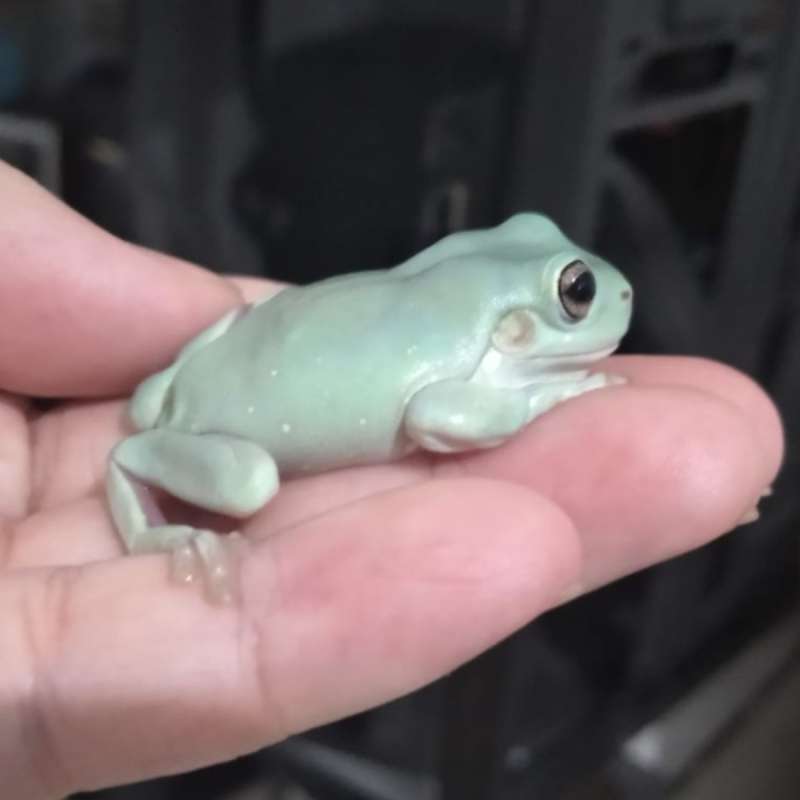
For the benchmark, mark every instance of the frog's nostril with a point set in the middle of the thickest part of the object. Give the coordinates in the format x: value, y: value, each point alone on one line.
x: 625, y: 294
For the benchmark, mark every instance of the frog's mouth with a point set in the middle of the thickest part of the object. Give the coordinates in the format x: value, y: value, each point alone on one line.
x: 512, y: 372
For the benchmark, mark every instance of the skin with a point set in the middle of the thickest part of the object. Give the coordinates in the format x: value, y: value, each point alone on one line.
x: 459, y: 348
x: 111, y: 674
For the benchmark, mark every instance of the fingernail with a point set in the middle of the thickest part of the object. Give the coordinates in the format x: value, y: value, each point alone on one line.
x: 751, y: 516
x: 572, y: 591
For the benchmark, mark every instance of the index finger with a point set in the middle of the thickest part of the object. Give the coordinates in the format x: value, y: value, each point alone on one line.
x: 83, y: 313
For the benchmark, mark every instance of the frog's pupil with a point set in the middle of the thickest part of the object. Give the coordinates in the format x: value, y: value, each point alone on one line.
x: 582, y: 290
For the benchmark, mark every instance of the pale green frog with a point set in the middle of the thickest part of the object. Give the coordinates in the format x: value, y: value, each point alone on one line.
x: 458, y: 348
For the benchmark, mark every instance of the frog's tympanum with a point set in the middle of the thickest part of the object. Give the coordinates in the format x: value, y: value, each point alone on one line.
x: 458, y: 348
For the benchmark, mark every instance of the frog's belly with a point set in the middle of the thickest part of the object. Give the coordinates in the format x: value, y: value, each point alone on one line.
x: 306, y: 433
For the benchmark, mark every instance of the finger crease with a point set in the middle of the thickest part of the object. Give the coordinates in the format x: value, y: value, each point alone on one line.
x: 43, y: 447
x: 6, y: 543
x: 257, y: 639
x: 43, y: 641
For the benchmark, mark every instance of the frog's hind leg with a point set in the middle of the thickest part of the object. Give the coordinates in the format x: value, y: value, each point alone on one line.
x: 212, y: 471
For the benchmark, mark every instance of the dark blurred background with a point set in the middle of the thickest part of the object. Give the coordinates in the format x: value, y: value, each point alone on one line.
x: 302, y: 138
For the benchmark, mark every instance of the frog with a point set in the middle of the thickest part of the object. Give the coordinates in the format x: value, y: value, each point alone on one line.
x: 459, y: 348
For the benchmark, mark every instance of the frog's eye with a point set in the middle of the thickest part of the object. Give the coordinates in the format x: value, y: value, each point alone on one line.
x: 576, y: 290
x: 515, y: 333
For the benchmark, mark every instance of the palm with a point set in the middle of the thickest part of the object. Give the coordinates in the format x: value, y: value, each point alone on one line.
x: 360, y: 585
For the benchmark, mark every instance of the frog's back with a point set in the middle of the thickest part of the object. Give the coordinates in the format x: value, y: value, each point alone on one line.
x: 322, y: 373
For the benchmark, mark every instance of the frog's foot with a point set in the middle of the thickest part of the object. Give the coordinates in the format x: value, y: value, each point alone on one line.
x: 217, y: 473
x: 546, y: 396
x: 197, y: 556
x: 212, y: 558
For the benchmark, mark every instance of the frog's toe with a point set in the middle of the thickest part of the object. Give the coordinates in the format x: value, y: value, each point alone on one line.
x: 600, y: 380
x: 612, y: 379
x: 184, y: 563
x: 212, y: 558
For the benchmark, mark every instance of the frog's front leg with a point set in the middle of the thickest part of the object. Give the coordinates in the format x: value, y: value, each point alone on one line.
x: 453, y: 416
x: 216, y: 472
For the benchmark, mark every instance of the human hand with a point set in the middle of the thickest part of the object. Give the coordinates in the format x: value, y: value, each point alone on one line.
x: 361, y: 585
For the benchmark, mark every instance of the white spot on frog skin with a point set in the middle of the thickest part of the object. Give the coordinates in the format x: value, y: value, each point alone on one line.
x: 251, y: 409
x: 362, y: 421
x: 273, y: 372
x: 286, y: 427
x: 457, y: 419
x: 411, y: 350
